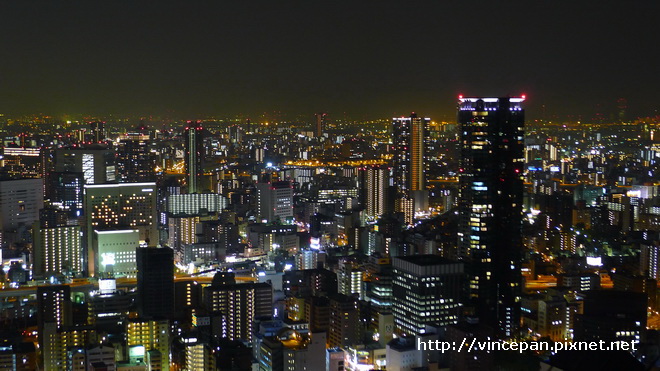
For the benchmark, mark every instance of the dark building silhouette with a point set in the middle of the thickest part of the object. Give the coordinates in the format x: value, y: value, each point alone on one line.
x: 490, y: 206
x: 155, y: 282
x: 194, y: 152
x: 612, y: 315
x: 319, y: 128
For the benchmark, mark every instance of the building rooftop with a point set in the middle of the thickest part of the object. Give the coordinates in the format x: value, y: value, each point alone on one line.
x: 426, y: 260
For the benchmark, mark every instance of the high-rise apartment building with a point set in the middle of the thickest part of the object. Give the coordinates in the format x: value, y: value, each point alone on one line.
x: 152, y: 338
x: 235, y: 306
x: 345, y: 327
x: 490, y: 206
x: 53, y: 309
x: 428, y: 291
x: 375, y: 183
x: 411, y: 145
x: 194, y: 154
x: 57, y: 250
x: 54, y: 305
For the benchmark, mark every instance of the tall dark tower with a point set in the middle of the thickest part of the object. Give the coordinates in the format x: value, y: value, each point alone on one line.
x: 194, y: 153
x: 490, y: 203
x: 319, y: 129
x: 155, y: 282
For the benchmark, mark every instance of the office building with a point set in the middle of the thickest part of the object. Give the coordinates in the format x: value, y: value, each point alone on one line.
x: 107, y: 306
x: 115, y: 252
x: 155, y: 280
x: 428, y: 291
x: 379, y: 284
x: 579, y: 282
x: 194, y: 154
x: 19, y: 357
x: 65, y: 191
x: 136, y: 162
x: 20, y: 202
x: 119, y: 207
x: 96, y: 162
x: 611, y: 315
x: 100, y: 354
x: 275, y: 201
x: 270, y: 238
x: 490, y: 206
x: 317, y: 281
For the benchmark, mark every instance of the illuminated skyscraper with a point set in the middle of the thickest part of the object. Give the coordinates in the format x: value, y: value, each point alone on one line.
x: 194, y: 152
x: 411, y: 142
x: 490, y: 204
x: 375, y: 188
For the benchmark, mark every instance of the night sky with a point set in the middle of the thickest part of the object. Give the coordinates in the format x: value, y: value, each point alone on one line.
x: 368, y: 59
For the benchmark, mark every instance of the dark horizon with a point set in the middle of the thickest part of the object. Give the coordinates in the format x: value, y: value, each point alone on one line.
x: 364, y: 59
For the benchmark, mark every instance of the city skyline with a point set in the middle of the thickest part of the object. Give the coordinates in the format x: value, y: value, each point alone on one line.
x: 339, y: 186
